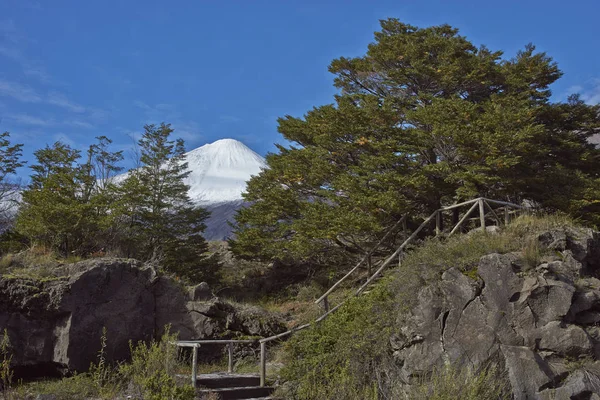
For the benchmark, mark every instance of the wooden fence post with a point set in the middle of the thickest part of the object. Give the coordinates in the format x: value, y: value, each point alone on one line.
x: 326, y: 304
x: 482, y: 214
x: 506, y: 215
x: 230, y: 352
x: 438, y: 223
x: 263, y: 363
x: 194, y: 364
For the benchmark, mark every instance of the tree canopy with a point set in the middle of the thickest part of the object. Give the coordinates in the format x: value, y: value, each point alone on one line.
x: 77, y: 205
x: 424, y: 118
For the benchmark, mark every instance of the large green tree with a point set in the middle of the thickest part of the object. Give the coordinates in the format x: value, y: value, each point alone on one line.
x: 160, y: 221
x: 66, y: 205
x: 424, y: 118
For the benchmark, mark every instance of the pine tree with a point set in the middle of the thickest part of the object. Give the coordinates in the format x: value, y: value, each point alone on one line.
x: 160, y: 221
x: 424, y: 118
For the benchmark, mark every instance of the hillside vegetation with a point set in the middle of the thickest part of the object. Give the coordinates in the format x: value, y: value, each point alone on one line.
x: 348, y: 355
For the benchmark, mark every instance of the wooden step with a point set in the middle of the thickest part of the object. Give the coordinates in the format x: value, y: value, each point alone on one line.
x: 226, y: 380
x: 238, y: 393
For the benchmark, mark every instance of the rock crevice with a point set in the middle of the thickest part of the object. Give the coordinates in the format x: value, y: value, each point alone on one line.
x: 540, y: 325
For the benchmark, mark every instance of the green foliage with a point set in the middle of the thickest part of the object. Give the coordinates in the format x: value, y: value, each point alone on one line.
x: 6, y: 374
x: 66, y: 206
x: 104, y: 378
x: 75, y: 207
x: 424, y: 118
x: 151, y: 370
x: 343, y: 357
x: 450, y: 383
x: 160, y: 222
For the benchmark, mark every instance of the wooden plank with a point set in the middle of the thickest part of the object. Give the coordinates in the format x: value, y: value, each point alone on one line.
x: 481, y: 214
x: 322, y: 317
x: 335, y: 285
x: 463, y: 219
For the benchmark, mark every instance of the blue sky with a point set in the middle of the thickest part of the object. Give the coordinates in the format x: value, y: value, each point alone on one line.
x: 72, y: 70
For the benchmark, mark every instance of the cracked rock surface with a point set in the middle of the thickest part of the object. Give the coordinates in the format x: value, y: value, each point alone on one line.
x: 541, y: 325
x: 55, y: 325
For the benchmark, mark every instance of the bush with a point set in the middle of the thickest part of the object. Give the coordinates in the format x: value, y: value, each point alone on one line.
x: 150, y: 373
x: 344, y: 356
x: 6, y: 374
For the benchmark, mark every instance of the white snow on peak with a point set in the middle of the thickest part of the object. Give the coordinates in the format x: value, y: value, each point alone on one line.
x: 220, y: 170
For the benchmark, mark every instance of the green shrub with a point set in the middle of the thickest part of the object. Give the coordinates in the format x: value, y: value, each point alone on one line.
x: 342, y: 357
x: 150, y: 373
x: 6, y: 374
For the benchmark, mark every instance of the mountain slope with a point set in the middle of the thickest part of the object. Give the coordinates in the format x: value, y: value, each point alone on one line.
x: 219, y: 172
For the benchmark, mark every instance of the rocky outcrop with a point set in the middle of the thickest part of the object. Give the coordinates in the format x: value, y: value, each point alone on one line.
x: 55, y: 325
x: 542, y: 325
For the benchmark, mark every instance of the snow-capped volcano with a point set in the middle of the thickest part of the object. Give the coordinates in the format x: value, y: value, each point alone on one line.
x: 218, y: 175
x: 220, y: 170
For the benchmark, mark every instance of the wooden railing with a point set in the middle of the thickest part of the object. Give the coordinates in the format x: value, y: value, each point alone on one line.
x: 195, y: 344
x: 480, y: 204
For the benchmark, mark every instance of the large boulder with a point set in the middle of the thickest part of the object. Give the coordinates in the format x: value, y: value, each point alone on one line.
x: 56, y: 325
x: 536, y: 324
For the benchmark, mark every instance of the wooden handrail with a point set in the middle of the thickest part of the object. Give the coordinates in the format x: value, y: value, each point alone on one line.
x: 270, y: 338
x: 464, y: 203
x: 339, y: 282
x: 191, y: 343
x: 195, y: 344
x: 463, y: 219
x: 397, y: 252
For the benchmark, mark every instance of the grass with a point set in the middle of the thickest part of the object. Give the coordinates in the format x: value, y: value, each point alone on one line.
x: 37, y: 263
x: 149, y: 375
x: 302, y: 309
x: 449, y: 383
